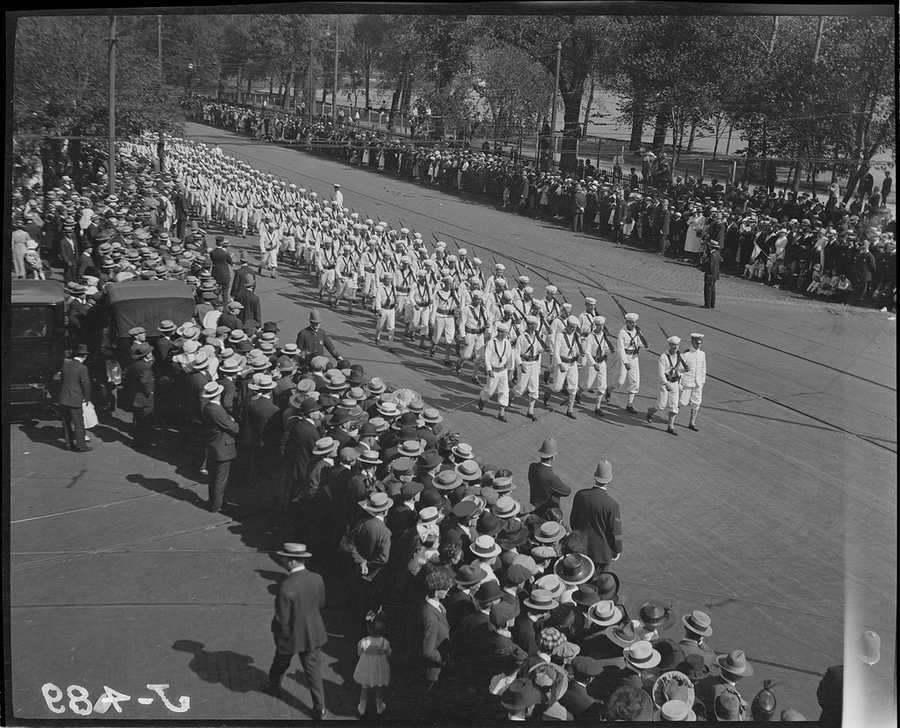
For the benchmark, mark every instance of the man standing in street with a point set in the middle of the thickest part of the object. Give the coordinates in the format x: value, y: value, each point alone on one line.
x: 74, y: 392
x: 313, y: 341
x: 595, y: 515
x: 710, y: 263
x: 221, y: 430
x: 497, y: 359
x: 338, y: 196
x: 542, y: 481
x: 298, y: 627
x: 222, y: 267
x: 138, y: 395
x: 693, y: 379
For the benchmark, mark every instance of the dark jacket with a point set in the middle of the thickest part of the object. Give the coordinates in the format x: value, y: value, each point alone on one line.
x: 221, y: 430
x: 430, y: 640
x: 541, y: 482
x: 261, y: 425
x: 710, y: 264
x: 221, y: 265
x: 595, y: 514
x: 298, y: 626
x: 299, y: 441
x: 315, y: 342
x: 524, y: 633
x: 76, y: 384
x: 138, y: 387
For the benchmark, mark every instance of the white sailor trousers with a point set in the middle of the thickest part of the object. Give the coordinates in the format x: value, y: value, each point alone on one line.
x: 497, y: 382
x: 631, y: 377
x: 444, y: 325
x: 595, y: 375
x: 529, y: 380
x: 387, y: 319
x: 568, y: 377
x: 692, y: 396
x: 667, y: 398
x: 474, y: 346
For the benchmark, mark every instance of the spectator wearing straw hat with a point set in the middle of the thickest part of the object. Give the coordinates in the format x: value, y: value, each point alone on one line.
x: 596, y: 515
x: 697, y: 627
x: 298, y: 627
x: 221, y: 430
x: 541, y: 478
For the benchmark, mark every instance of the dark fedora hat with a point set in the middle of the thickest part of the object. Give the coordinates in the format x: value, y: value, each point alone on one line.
x: 574, y: 569
x: 586, y: 595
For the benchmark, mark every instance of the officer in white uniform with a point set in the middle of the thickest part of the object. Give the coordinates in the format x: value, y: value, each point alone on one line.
x: 628, y: 345
x: 497, y: 355
x: 597, y: 352
x: 529, y: 348
x: 338, y: 196
x: 694, y: 378
x: 671, y: 369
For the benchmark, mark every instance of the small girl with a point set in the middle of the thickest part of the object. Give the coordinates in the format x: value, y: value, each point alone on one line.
x: 373, y: 671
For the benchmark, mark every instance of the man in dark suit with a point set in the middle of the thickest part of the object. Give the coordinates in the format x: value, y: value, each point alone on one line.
x: 298, y: 442
x: 221, y: 430
x: 431, y: 633
x: 595, y: 515
x: 139, y: 394
x: 250, y: 301
x: 710, y: 263
x: 222, y: 267
x: 181, y: 211
x: 298, y: 627
x: 863, y: 271
x: 370, y: 549
x: 576, y: 699
x: 542, y: 481
x: 260, y: 435
x: 75, y: 391
x: 313, y: 341
x: 243, y: 276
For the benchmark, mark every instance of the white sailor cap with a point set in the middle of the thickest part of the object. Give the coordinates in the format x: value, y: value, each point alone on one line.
x: 551, y: 289
x: 533, y: 320
x: 477, y: 293
x: 476, y: 260
x: 337, y: 186
x: 632, y: 317
x: 421, y: 272
x: 354, y: 216
x: 523, y: 279
x: 404, y: 231
x: 572, y: 321
x: 697, y: 336
x: 590, y: 301
x: 599, y: 320
x: 440, y: 245
x: 462, y: 252
x: 417, y: 236
x: 567, y: 307
x: 528, y: 289
x: 451, y: 258
x: 500, y: 267
x: 508, y: 308
x: 674, y: 340
x: 502, y: 326
x: 369, y: 221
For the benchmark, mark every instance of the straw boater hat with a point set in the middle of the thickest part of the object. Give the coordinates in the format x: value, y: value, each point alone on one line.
x: 541, y: 600
x: 550, y: 532
x: 294, y: 551
x: 605, y: 613
x: 641, y: 655
x: 376, y: 503
x: 484, y: 547
x: 324, y: 446
x: 698, y: 622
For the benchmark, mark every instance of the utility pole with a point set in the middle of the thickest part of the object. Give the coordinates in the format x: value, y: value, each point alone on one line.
x: 819, y: 39
x: 337, y: 30
x: 160, y: 142
x: 111, y: 167
x: 553, y: 153
x: 310, y: 100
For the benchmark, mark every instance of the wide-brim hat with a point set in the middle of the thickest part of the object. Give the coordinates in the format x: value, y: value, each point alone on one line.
x: 485, y: 547
x: 550, y: 532
x: 294, y: 551
x: 574, y: 569
x: 622, y: 634
x: 676, y: 711
x: 548, y: 448
x: 736, y: 663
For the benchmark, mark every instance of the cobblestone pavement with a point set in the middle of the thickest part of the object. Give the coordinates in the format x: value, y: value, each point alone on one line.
x: 777, y: 517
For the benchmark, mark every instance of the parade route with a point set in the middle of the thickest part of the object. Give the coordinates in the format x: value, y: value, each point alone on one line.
x: 777, y: 518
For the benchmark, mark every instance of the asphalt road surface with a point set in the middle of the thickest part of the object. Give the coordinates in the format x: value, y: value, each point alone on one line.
x: 778, y: 517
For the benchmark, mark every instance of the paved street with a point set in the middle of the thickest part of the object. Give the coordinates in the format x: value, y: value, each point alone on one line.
x: 778, y: 517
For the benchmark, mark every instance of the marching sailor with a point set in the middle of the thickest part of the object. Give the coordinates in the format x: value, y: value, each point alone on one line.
x: 694, y: 378
x: 671, y: 369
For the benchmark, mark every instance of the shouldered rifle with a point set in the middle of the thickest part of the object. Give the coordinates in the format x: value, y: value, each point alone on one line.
x: 677, y: 353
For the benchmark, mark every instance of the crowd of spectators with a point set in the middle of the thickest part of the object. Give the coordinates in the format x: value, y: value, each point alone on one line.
x: 831, y: 250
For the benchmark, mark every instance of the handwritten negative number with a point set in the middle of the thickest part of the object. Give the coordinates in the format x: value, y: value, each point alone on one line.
x: 80, y: 703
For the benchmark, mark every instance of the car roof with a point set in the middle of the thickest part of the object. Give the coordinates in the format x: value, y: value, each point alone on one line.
x: 142, y: 290
x: 31, y: 291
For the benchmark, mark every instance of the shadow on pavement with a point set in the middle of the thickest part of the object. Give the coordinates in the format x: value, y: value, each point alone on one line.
x: 53, y: 435
x: 672, y: 301
x: 168, y: 487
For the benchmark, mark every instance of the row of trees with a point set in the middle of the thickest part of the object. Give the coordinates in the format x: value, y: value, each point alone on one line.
x: 793, y: 87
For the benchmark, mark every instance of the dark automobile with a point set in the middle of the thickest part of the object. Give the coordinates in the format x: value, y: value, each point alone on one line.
x: 146, y: 303
x: 37, y: 340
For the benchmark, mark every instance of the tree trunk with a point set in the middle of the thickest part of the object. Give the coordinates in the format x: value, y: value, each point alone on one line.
x: 728, y: 143
x: 287, y: 87
x: 662, y: 126
x: 75, y: 156
x: 568, y: 160
x: 395, y: 99
x: 590, y: 102
x: 368, y: 77
x: 690, y: 144
x: 637, y: 123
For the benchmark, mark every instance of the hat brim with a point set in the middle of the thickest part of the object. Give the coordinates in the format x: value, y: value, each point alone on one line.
x: 585, y: 576
x: 294, y: 555
x: 702, y: 632
x: 616, y: 640
x: 373, y: 510
x: 540, y: 607
x: 654, y: 660
x: 612, y: 621
x: 494, y: 552
x: 746, y: 672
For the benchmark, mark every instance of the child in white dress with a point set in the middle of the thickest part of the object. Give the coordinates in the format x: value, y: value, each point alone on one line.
x: 373, y: 671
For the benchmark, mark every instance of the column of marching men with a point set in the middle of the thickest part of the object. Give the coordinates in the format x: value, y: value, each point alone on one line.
x: 482, y: 605
x: 441, y: 297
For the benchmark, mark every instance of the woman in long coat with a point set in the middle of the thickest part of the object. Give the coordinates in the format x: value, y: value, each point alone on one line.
x: 696, y: 226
